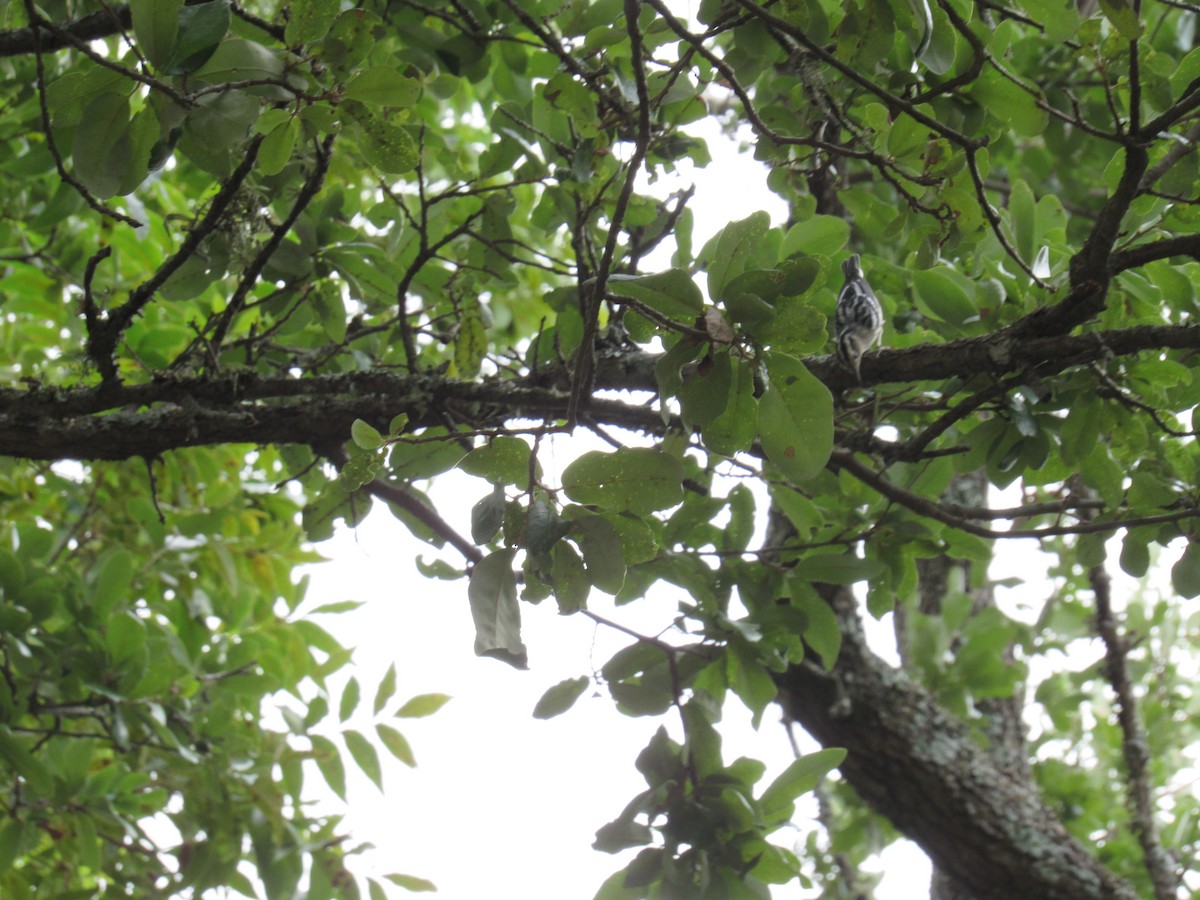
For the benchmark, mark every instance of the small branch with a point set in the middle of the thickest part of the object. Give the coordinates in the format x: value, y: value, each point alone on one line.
x: 1134, y: 743
x: 102, y: 343
x: 585, y: 357
x: 398, y: 495
x: 1139, y: 255
x: 965, y: 519
x: 312, y: 185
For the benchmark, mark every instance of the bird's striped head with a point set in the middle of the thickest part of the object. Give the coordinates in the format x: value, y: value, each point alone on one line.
x: 851, y: 268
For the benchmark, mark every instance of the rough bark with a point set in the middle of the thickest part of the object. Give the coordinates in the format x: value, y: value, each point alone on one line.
x: 921, y: 768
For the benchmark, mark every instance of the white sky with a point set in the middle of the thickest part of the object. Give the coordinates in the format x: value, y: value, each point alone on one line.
x: 501, y: 804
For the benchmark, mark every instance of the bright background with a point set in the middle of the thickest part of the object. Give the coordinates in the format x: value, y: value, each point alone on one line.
x: 501, y: 804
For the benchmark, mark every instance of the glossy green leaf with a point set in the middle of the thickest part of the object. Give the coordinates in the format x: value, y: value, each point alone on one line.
x: 396, y: 744
x: 561, y: 697
x: 385, y: 145
x: 411, y: 883
x: 102, y: 150
x: 732, y: 251
x: 602, y: 554
x: 364, y: 755
x: 800, y: 777
x: 201, y: 28
x: 365, y: 435
x: 570, y: 578
x: 1185, y: 574
x: 422, y: 705
x: 493, y: 597
x: 276, y: 148
x: 672, y: 293
x: 350, y: 697
x: 817, y: 236
x: 155, y: 24
x: 310, y: 20
x: 383, y: 86
x: 637, y: 480
x: 735, y: 428
x: 944, y: 296
x: 795, y: 419
x: 487, y: 515
x: 503, y: 460
x: 831, y: 568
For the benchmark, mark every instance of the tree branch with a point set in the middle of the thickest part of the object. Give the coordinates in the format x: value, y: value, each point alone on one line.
x: 1134, y: 744
x: 923, y: 769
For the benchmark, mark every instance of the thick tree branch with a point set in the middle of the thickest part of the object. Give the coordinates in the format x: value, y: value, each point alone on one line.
x: 1165, y: 248
x: 922, y: 768
x: 241, y: 407
x: 98, y: 25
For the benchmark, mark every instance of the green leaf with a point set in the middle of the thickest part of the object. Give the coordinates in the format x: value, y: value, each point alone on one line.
x: 387, y: 147
x: 822, y: 632
x: 944, y: 296
x: 155, y: 24
x: 15, y: 751
x: 396, y: 744
x: 1124, y: 18
x: 602, y: 555
x: 11, y: 833
x: 672, y: 293
x: 570, y: 581
x: 637, y: 480
x: 1081, y: 430
x: 837, y: 568
x: 470, y: 346
x: 1135, y: 555
x: 493, y: 597
x: 1185, y: 574
x: 941, y: 44
x: 365, y: 435
x: 735, y: 428
x: 350, y: 698
x: 487, y: 515
x: 387, y: 687
x: 276, y: 148
x: 383, y: 86
x: 561, y: 697
x: 732, y: 250
x: 309, y: 20
x: 201, y: 28
x: 751, y: 682
x: 704, y: 394
x: 102, y: 150
x: 423, y: 705
x: 817, y: 236
x: 330, y: 309
x: 1010, y: 104
x: 503, y: 460
x: 797, y: 327
x: 800, y: 777
x: 1023, y: 209
x: 795, y: 419
x: 112, y: 583
x: 411, y: 883
x: 364, y: 755
x: 241, y: 60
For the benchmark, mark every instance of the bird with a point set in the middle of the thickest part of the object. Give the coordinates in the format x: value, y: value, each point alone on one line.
x: 859, y: 318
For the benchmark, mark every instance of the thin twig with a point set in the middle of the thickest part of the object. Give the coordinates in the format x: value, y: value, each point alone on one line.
x: 1135, y: 747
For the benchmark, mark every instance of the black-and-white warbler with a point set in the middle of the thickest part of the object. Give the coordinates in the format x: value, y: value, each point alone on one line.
x: 859, y: 318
